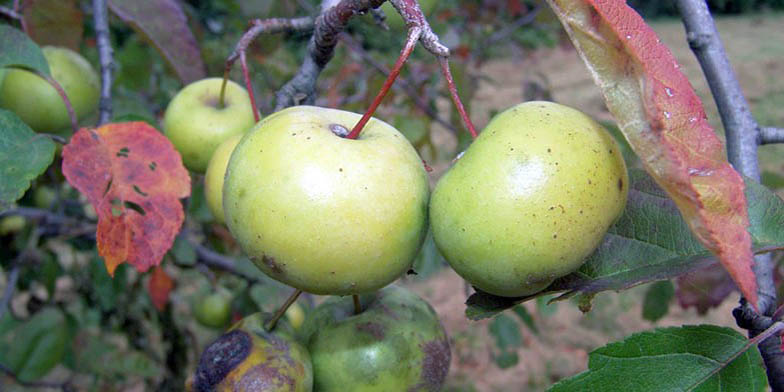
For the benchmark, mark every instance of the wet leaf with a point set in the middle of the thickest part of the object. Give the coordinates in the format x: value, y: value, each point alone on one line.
x: 690, y: 358
x: 134, y: 178
x: 164, y: 23
x: 159, y: 287
x: 24, y: 155
x: 18, y: 50
x: 664, y: 121
x: 53, y: 22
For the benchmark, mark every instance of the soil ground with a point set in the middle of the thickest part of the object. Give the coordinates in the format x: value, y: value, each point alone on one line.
x: 566, y: 336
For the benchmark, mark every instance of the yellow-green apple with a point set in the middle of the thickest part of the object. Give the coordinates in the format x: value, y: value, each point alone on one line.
x: 197, y: 123
x: 530, y: 199
x: 216, y: 170
x: 38, y: 104
x: 321, y: 212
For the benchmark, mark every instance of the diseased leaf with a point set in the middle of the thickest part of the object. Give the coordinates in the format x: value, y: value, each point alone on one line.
x: 53, y: 22
x: 657, y: 300
x: 690, y: 358
x: 705, y: 288
x: 163, y: 23
x: 159, y: 287
x: 18, y: 50
x: 18, y: 140
x: 134, y: 178
x: 649, y: 242
x: 664, y: 121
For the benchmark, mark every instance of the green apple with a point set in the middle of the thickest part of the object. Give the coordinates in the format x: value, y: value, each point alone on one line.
x: 216, y: 170
x: 38, y: 104
x: 396, y: 343
x: 530, y: 199
x: 249, y: 358
x: 323, y: 213
x: 196, y: 122
x: 214, y: 309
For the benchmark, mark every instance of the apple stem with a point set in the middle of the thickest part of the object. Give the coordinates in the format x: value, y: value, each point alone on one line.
x: 221, y: 98
x: 249, y: 86
x: 444, y: 62
x: 357, y: 304
x: 66, y: 101
x: 274, y: 321
x: 413, y: 36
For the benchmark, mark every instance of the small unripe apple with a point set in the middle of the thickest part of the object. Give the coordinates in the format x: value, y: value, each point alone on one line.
x: 213, y: 310
x: 38, y: 104
x: 530, y: 199
x: 197, y: 123
x: 216, y: 171
x: 323, y: 213
x: 251, y: 359
x: 396, y: 343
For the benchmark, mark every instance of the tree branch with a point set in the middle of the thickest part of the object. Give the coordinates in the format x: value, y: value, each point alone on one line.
x: 742, y: 133
x: 105, y: 56
x: 9, y: 13
x: 770, y: 135
x: 216, y: 260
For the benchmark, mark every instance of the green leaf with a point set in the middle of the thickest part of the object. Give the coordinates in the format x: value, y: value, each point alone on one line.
x: 772, y: 180
x: 183, y: 251
x: 689, y: 358
x: 33, y: 348
x: 429, y: 260
x: 165, y: 25
x: 528, y: 320
x: 506, y: 359
x: 649, y: 242
x: 506, y: 332
x: 18, y: 50
x: 24, y: 155
x: 657, y: 300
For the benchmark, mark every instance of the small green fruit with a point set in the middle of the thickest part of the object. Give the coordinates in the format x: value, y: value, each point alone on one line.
x: 38, y: 104
x: 213, y: 310
x: 12, y: 224
x: 322, y: 213
x: 530, y: 199
x: 248, y: 358
x: 216, y: 171
x: 397, y: 343
x: 197, y: 124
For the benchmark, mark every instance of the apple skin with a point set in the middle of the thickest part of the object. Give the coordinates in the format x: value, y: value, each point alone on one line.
x: 397, y: 343
x: 530, y: 199
x: 322, y: 213
x: 216, y: 171
x: 249, y: 358
x: 196, y: 125
x: 38, y: 104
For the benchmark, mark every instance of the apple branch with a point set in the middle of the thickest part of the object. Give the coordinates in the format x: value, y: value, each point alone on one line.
x: 444, y: 62
x: 770, y: 135
x: 105, y: 56
x: 9, y: 13
x: 258, y: 27
x: 743, y: 135
x: 413, y: 35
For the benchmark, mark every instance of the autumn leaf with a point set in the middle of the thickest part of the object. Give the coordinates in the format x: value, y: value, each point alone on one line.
x: 134, y: 178
x: 159, y: 287
x: 704, y: 288
x: 665, y: 123
x: 53, y: 22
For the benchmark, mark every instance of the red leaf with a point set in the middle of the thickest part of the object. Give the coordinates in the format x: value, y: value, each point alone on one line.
x: 164, y: 24
x: 159, y: 287
x: 134, y: 178
x: 53, y: 22
x: 664, y: 121
x: 704, y: 288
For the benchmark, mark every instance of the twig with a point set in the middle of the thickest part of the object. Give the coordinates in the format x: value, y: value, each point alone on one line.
x: 68, y: 106
x: 105, y: 56
x: 444, y: 62
x: 214, y: 259
x: 413, y: 36
x: 5, y: 302
x: 770, y: 135
x: 55, y: 138
x: 742, y: 133
x: 7, y: 12
x: 282, y: 310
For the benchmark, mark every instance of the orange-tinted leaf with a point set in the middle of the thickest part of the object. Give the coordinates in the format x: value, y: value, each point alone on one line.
x: 53, y: 22
x: 159, y: 287
x: 664, y: 122
x: 134, y: 178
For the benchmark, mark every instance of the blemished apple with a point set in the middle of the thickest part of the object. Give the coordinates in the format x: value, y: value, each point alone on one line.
x: 323, y: 213
x: 38, y: 104
x: 250, y: 358
x: 213, y: 178
x: 196, y: 122
x: 530, y: 199
x: 396, y: 343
